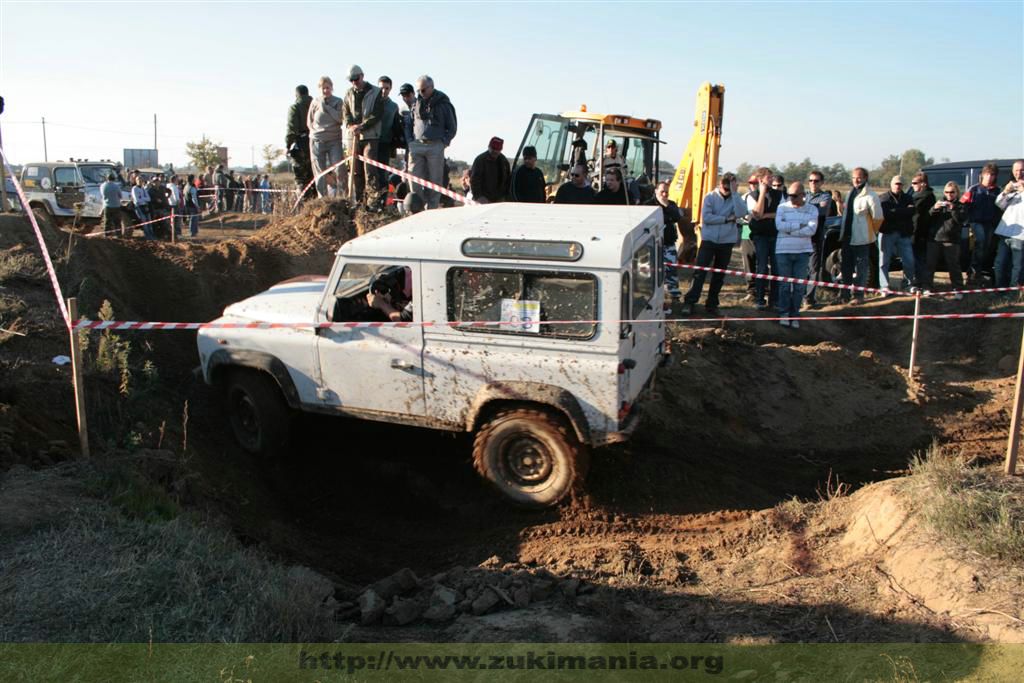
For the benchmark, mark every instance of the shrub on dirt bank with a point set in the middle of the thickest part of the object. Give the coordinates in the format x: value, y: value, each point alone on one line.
x: 88, y: 568
x: 977, y: 509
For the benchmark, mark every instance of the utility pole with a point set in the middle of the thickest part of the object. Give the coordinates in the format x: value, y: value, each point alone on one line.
x: 252, y: 154
x: 3, y: 183
x: 45, y: 155
x: 154, y: 131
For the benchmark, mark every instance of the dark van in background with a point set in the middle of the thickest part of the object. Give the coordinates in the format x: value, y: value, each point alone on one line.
x: 964, y: 173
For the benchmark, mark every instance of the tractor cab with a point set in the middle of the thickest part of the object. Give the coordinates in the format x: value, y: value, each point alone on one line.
x: 581, y: 137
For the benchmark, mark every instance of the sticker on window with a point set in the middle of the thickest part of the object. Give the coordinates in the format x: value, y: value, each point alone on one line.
x: 523, y: 316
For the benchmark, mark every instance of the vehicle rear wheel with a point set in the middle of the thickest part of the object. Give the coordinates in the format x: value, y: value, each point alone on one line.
x: 257, y: 412
x: 532, y: 456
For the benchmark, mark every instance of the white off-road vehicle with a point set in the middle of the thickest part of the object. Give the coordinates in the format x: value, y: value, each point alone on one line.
x: 58, y: 186
x: 511, y: 327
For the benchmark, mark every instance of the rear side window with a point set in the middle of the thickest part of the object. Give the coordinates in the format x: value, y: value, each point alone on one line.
x: 65, y: 176
x: 644, y: 268
x: 523, y: 301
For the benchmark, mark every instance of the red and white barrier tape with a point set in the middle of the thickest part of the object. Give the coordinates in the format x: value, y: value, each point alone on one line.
x: 317, y: 177
x: 419, y: 181
x: 837, y: 285
x: 131, y: 325
x: 129, y: 228
x: 42, y: 243
x: 403, y: 174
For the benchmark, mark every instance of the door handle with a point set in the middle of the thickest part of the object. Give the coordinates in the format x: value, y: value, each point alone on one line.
x: 401, y: 364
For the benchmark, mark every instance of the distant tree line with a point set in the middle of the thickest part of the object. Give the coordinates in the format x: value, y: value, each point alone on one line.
x: 907, y: 164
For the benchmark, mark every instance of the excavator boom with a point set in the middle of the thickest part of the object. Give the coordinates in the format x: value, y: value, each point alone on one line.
x: 697, y: 173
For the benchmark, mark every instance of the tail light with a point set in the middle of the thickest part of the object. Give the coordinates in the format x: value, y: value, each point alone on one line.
x: 624, y: 410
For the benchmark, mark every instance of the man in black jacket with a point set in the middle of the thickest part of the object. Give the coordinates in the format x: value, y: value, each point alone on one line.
x: 924, y: 199
x: 763, y: 234
x: 296, y: 140
x: 578, y: 190
x: 670, y: 236
x: 159, y: 206
x: 528, y: 180
x: 490, y: 173
x: 897, y: 234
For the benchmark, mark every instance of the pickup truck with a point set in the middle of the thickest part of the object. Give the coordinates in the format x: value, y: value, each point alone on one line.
x: 537, y: 328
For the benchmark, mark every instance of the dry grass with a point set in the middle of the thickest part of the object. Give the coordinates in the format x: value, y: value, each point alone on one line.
x: 78, y: 568
x: 19, y: 264
x: 978, y: 509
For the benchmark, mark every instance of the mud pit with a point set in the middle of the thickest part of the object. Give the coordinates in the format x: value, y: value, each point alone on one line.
x: 676, y: 536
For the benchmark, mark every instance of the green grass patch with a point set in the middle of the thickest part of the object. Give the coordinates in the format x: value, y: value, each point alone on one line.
x: 978, y: 509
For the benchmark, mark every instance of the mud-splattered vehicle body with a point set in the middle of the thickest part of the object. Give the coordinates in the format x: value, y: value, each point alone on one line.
x: 537, y: 328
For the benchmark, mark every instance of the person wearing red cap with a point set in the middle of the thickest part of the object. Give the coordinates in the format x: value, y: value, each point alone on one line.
x: 490, y: 174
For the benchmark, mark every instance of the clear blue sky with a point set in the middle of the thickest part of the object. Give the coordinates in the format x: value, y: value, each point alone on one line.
x: 833, y: 81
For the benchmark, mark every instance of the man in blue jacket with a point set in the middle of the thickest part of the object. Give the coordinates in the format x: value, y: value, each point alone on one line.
x: 719, y: 234
x: 984, y: 216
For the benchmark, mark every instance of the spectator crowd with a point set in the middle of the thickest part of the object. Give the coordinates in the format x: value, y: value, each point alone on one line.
x: 977, y: 235
x: 799, y: 230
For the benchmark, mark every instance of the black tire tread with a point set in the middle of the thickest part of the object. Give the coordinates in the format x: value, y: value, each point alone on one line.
x: 579, y: 453
x: 275, y: 424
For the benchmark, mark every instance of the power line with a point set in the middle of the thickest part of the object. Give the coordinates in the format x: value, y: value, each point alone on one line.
x: 126, y: 132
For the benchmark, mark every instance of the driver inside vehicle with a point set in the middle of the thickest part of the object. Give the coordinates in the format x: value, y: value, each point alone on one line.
x: 390, y: 295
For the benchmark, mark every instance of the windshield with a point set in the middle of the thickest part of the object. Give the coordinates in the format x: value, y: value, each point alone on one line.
x: 96, y: 174
x: 547, y: 135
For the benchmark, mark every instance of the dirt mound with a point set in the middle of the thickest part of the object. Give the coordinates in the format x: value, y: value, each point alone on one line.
x: 157, y: 281
x: 726, y: 388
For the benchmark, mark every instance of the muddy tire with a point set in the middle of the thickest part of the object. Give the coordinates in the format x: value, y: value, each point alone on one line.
x: 259, y: 418
x: 532, y: 456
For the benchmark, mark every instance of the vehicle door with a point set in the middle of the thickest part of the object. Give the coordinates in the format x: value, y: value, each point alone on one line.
x: 516, y: 345
x: 68, y: 187
x: 375, y: 368
x: 642, y: 298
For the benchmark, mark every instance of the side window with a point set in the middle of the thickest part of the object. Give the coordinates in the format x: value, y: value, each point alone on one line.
x: 644, y: 269
x: 65, y: 176
x: 519, y: 302
x: 35, y: 177
x: 392, y: 283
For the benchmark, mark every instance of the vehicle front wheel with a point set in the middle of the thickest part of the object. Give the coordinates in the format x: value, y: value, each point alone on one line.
x: 257, y: 412
x: 532, y: 456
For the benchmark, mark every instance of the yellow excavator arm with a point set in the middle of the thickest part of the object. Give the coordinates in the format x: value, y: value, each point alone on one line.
x: 697, y: 173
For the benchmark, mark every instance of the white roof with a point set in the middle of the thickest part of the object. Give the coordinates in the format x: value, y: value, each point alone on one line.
x: 604, y: 231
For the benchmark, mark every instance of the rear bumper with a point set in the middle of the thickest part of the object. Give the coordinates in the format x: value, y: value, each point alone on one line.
x: 632, y: 421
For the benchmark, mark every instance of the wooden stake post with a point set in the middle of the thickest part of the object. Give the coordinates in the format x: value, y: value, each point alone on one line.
x: 913, y: 334
x: 1014, y: 440
x: 77, y: 371
x: 352, y: 168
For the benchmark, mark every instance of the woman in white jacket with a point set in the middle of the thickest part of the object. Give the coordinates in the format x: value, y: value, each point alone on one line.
x: 796, y: 221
